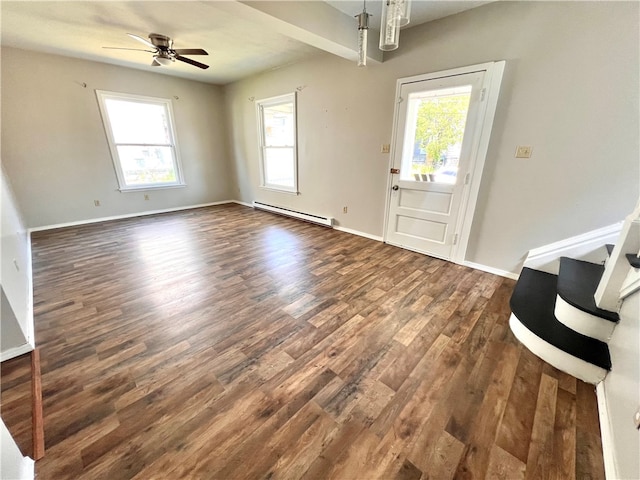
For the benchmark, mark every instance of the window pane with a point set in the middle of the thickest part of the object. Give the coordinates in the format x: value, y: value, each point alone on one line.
x: 279, y: 167
x: 435, y: 128
x: 278, y: 125
x: 147, y: 165
x: 134, y: 122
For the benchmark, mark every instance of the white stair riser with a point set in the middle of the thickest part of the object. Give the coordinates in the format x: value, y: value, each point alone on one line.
x: 583, y: 322
x: 561, y: 360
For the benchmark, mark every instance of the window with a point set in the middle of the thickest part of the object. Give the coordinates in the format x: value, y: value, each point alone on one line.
x: 278, y: 158
x: 142, y: 140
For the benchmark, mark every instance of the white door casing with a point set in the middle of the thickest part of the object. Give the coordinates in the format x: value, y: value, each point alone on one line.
x: 434, y: 217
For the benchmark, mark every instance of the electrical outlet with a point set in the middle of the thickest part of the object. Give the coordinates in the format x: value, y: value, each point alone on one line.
x: 523, y: 151
x: 96, y: 203
x: 344, y: 209
x: 146, y: 197
x: 386, y: 148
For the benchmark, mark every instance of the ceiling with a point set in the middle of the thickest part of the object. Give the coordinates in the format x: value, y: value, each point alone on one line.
x: 422, y: 11
x: 242, y: 38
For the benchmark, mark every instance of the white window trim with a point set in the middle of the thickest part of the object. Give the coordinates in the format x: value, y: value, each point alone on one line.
x: 267, y: 102
x: 103, y: 95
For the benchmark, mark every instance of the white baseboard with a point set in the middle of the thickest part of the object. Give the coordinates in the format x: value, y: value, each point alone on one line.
x: 606, y: 433
x: 495, y: 271
x: 476, y: 266
x: 288, y: 212
x: 127, y: 215
x: 15, y: 352
x: 246, y: 204
x: 359, y: 233
x: 588, y: 246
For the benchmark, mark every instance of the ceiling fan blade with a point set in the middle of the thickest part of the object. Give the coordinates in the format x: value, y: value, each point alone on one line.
x: 135, y: 49
x: 190, y: 51
x: 140, y: 39
x: 192, y: 62
x: 155, y: 63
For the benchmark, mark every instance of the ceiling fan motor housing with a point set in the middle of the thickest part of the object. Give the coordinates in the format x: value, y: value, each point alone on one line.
x: 161, y: 41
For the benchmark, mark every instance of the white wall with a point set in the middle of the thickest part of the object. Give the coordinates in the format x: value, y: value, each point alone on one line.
x: 569, y: 90
x: 55, y: 151
x: 13, y: 466
x: 16, y: 314
x: 622, y: 389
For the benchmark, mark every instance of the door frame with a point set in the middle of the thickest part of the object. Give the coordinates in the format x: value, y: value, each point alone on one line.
x: 489, y: 101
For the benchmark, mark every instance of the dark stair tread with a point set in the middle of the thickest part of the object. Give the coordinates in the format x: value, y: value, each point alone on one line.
x: 577, y: 283
x: 533, y: 302
x: 634, y: 261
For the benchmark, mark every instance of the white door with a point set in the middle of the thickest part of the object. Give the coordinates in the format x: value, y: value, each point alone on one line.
x: 438, y: 129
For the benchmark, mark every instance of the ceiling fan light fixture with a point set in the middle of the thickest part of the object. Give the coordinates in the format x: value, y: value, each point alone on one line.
x: 163, y: 59
x: 163, y: 52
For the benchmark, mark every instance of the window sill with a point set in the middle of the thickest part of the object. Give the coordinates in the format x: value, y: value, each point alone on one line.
x: 150, y: 187
x: 278, y: 190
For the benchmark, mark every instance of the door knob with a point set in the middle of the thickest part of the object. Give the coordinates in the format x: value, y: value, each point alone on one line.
x: 395, y: 187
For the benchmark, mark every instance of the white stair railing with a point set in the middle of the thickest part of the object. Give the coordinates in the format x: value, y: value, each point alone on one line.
x: 607, y: 294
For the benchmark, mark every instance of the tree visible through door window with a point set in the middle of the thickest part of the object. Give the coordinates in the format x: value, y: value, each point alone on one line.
x: 142, y: 140
x: 278, y: 158
x: 435, y: 127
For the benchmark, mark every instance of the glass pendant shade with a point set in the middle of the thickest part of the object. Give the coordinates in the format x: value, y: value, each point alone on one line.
x: 389, y: 28
x: 399, y: 11
x: 363, y: 27
x: 362, y: 48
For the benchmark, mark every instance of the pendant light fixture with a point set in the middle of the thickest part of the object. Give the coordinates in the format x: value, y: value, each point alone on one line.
x: 402, y: 12
x: 395, y: 14
x: 363, y: 27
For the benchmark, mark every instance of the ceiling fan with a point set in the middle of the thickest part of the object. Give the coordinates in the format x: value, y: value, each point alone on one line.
x: 163, y: 52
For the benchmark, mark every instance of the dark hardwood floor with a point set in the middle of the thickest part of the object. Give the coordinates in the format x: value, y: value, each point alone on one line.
x: 229, y: 343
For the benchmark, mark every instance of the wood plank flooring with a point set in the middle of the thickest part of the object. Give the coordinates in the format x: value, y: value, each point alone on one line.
x: 227, y: 343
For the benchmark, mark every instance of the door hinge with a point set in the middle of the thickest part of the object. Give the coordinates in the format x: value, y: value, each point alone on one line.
x: 482, y: 93
x: 395, y: 171
x: 455, y: 239
x: 400, y: 99
x: 467, y: 178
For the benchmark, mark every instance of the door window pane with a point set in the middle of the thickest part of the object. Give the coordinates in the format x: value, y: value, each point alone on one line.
x: 433, y: 134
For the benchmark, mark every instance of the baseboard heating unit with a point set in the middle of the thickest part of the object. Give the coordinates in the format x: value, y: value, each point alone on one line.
x: 327, y: 221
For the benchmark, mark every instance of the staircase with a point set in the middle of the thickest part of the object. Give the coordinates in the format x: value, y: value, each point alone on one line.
x: 567, y: 319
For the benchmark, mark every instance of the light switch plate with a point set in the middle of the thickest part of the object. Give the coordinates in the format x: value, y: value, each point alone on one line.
x: 523, y: 151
